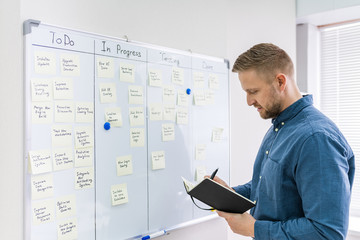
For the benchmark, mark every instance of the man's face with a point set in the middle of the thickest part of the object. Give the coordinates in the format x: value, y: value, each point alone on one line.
x: 261, y: 93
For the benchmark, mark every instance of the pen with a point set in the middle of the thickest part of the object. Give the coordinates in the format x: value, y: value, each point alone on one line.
x: 214, y: 173
x: 156, y: 234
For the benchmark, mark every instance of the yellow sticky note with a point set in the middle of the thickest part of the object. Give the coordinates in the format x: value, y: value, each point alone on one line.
x: 155, y: 78
x: 42, y: 186
x: 41, y: 90
x: 182, y: 99
x: 137, y: 137
x: 217, y: 134
x: 169, y: 113
x: 199, y: 80
x: 63, y: 88
x: 42, y: 112
x: 67, y: 229
x: 45, y: 63
x: 200, y: 152
x: 84, y: 112
x: 40, y: 161
x: 182, y: 116
x: 66, y: 206
x: 107, y: 92
x: 214, y: 81
x: 136, y: 115
x: 127, y: 72
x: 63, y: 158
x: 105, y: 67
x: 156, y: 112
x: 200, y: 173
x: 84, y: 136
x: 168, y: 132
x: 64, y: 111
x: 158, y: 160
x: 84, y: 157
x: 61, y: 135
x: 119, y: 194
x: 84, y: 178
x: 136, y: 95
x: 70, y: 64
x: 169, y: 95
x: 42, y: 211
x: 113, y: 116
x: 177, y: 76
x: 124, y: 165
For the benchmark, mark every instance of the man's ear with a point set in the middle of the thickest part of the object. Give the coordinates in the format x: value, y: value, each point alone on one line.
x: 281, y: 81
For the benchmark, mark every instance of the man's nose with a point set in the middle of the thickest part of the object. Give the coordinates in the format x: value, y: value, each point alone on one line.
x: 250, y: 100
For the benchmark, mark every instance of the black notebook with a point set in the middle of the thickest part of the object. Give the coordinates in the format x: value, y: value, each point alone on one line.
x: 218, y: 197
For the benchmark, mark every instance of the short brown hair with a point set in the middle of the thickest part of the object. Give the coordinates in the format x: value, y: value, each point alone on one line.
x: 264, y: 58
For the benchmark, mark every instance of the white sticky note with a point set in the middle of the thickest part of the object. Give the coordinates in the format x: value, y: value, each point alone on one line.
x: 67, y: 229
x: 41, y: 90
x: 64, y: 111
x: 84, y: 112
x: 119, y: 194
x: 127, y: 72
x: 156, y: 112
x: 84, y: 178
x: 45, y: 63
x: 61, y: 135
x: 155, y: 78
x: 158, y: 160
x: 40, y: 161
x: 169, y: 113
x: 63, y: 158
x: 169, y: 94
x: 177, y: 76
x: 200, y: 173
x: 137, y: 137
x: 199, y: 80
x: 168, y: 132
x: 136, y: 115
x: 199, y: 98
x: 213, y: 81
x: 200, y: 152
x: 182, y: 99
x: 217, y: 134
x: 107, y: 92
x: 42, y: 186
x: 70, y: 64
x: 105, y: 67
x: 63, y: 88
x: 65, y: 206
x: 42, y: 112
x: 182, y: 116
x: 124, y: 165
x: 136, y: 95
x: 209, y: 96
x: 42, y: 211
x: 113, y: 116
x: 84, y: 157
x: 84, y: 136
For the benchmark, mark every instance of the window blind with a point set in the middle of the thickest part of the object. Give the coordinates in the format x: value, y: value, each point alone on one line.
x: 340, y: 89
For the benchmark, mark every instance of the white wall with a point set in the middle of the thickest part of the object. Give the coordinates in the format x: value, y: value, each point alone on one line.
x: 309, y: 7
x: 222, y: 28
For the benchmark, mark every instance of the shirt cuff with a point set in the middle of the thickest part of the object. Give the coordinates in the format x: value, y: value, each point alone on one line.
x: 261, y: 230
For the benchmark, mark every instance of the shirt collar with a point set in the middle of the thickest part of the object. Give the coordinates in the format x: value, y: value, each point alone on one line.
x: 293, y: 110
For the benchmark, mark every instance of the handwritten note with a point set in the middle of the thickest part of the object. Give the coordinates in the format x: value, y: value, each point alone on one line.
x: 200, y: 173
x: 209, y: 96
x: 124, y: 165
x: 136, y: 95
x: 169, y: 113
x: 84, y: 178
x: 113, y: 116
x: 61, y: 135
x: 84, y: 136
x: 155, y: 78
x: 40, y: 161
x: 158, y: 160
x: 45, y: 63
x: 42, y: 211
x: 42, y: 112
x: 42, y: 186
x: 182, y: 99
x: 63, y: 88
x: 214, y: 81
x: 177, y: 76
x: 168, y: 132
x: 70, y: 64
x: 127, y: 72
x: 199, y: 98
x: 64, y: 111
x: 41, y: 90
x: 136, y: 115
x: 199, y: 80
x: 119, y: 194
x: 67, y: 229
x: 105, y: 67
x: 182, y: 116
x: 63, y: 159
x: 107, y: 92
x: 217, y: 134
x: 200, y: 152
x: 66, y: 206
x: 137, y: 137
x: 156, y: 112
x: 84, y: 157
x: 168, y: 94
x: 84, y: 112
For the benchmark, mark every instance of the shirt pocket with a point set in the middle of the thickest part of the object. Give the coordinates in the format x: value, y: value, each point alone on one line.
x: 272, y: 181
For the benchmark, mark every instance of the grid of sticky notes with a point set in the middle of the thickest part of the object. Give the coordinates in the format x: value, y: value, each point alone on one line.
x: 70, y: 125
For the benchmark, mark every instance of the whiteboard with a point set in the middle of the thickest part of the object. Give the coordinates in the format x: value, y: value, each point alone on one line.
x: 169, y: 118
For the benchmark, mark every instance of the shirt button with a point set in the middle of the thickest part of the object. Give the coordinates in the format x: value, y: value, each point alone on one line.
x: 282, y: 123
x: 260, y: 177
x: 276, y: 129
x: 267, y: 152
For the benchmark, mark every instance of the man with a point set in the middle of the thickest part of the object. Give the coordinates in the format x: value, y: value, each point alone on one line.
x: 304, y: 170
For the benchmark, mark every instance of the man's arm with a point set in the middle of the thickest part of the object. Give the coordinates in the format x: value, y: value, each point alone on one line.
x: 244, y: 190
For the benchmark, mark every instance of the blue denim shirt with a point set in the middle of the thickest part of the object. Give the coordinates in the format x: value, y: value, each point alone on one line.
x: 302, y: 177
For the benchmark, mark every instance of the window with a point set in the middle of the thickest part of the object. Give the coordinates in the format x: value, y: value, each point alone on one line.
x: 340, y: 88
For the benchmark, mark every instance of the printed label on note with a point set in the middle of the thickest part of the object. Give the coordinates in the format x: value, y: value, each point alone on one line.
x: 84, y: 136
x: 40, y: 161
x: 113, y: 116
x: 127, y: 72
x: 169, y: 113
x: 213, y: 81
x: 199, y: 80
x: 84, y: 112
x: 45, y: 63
x: 63, y: 89
x: 158, y: 160
x: 70, y: 64
x: 155, y: 78
x: 63, y: 159
x: 182, y: 99
x: 119, y: 194
x: 168, y: 132
x: 156, y: 112
x: 42, y: 112
x: 67, y: 229
x: 41, y: 90
x: 136, y: 95
x: 84, y: 178
x: 136, y: 115
x: 42, y: 211
x: 178, y: 76
x: 200, y: 152
x: 137, y: 137
x: 64, y: 111
x: 169, y: 94
x: 107, y: 92
x: 61, y: 135
x: 42, y: 186
x: 124, y: 165
x: 217, y: 134
x: 65, y: 206
x: 105, y: 67
x: 84, y: 157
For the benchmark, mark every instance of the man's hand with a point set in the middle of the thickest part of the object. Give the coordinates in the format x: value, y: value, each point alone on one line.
x: 240, y: 223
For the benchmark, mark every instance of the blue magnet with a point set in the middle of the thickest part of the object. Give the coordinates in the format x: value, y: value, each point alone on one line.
x: 188, y: 91
x: 107, y: 126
